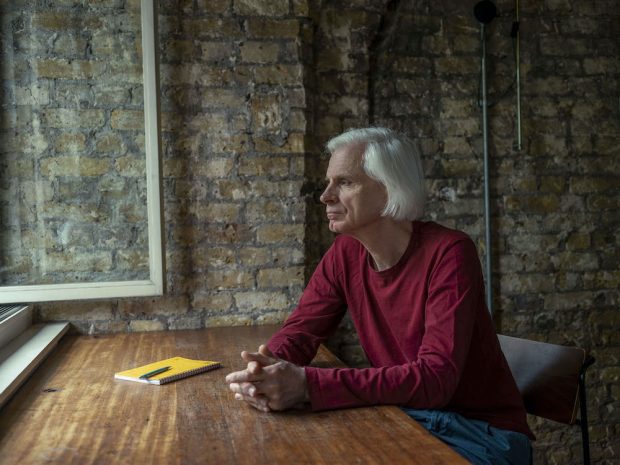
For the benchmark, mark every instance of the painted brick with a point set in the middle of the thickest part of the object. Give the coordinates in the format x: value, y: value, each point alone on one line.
x: 212, y: 6
x: 66, y: 311
x: 280, y: 277
x: 127, y: 119
x: 259, y: 52
x: 68, y: 69
x: 212, y: 301
x: 294, y: 143
x: 272, y: 28
x: 264, y: 8
x: 74, y: 166
x: 280, y: 74
x: 61, y: 21
x: 280, y: 233
x: 229, y: 279
x: 272, y: 166
x: 131, y: 166
x: 146, y: 325
x: 70, y: 143
x: 69, y: 119
x: 109, y: 143
x: 261, y: 300
x: 212, y: 28
x: 217, y: 212
x: 255, y: 256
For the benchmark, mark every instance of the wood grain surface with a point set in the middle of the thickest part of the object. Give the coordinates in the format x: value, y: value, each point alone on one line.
x: 73, y: 411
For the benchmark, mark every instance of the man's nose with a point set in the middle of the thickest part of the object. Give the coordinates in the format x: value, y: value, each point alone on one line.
x: 327, y: 196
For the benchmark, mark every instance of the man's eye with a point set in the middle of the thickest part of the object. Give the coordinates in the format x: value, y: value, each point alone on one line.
x: 344, y: 182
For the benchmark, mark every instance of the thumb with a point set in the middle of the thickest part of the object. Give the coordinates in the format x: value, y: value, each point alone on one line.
x: 261, y: 359
x: 264, y: 350
x: 255, y: 367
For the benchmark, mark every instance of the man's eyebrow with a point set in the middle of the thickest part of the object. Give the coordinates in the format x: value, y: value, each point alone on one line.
x: 338, y: 177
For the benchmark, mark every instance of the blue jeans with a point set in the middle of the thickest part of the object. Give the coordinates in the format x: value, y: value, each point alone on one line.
x: 477, y: 441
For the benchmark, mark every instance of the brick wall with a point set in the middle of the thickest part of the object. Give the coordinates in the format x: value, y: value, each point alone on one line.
x: 234, y: 123
x: 252, y: 90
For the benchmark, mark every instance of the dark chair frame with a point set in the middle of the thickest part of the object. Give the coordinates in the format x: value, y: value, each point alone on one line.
x: 583, y: 409
x: 552, y: 381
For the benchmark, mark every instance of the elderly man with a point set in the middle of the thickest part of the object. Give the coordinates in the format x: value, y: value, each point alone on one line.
x: 415, y: 293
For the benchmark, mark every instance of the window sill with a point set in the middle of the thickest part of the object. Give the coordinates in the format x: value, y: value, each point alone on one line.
x: 20, y: 357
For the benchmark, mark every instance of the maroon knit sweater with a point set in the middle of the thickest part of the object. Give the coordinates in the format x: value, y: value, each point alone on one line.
x: 423, y: 324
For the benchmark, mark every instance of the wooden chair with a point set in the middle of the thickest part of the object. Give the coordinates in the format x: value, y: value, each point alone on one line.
x: 551, y: 379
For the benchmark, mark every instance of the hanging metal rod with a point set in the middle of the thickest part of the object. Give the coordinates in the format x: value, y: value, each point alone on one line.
x: 485, y: 12
x: 515, y: 36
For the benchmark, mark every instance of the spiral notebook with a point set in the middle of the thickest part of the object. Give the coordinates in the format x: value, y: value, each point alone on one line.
x: 166, y: 371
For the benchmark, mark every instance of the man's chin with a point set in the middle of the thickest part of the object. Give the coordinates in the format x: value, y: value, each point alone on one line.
x: 333, y: 226
x: 338, y: 227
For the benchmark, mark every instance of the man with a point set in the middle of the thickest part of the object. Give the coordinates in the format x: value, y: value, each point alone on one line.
x: 416, y: 296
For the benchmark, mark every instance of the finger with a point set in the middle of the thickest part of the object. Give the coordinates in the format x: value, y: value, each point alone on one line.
x: 257, y: 357
x: 246, y: 389
x: 260, y: 402
x: 264, y: 350
x: 243, y: 376
x: 254, y: 368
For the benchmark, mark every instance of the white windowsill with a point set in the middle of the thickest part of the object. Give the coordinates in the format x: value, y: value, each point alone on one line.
x: 20, y: 357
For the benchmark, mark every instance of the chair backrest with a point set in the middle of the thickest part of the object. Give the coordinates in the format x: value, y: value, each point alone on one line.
x: 547, y: 376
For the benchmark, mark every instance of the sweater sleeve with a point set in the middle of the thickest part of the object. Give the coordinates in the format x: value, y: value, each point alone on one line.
x: 316, y: 317
x: 454, y: 289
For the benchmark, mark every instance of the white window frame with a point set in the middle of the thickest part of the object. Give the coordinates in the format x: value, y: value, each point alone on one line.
x: 23, y: 346
x: 155, y: 284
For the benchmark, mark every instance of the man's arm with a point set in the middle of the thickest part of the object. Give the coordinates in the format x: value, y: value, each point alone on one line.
x: 318, y: 314
x: 275, y: 378
x: 455, y: 296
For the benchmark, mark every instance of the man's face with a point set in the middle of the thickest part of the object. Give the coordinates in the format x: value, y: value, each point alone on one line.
x: 353, y: 200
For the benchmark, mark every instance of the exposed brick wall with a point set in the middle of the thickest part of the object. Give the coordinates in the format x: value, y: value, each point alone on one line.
x: 234, y: 123
x: 252, y: 90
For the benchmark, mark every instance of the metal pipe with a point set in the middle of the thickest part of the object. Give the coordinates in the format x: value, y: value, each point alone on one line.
x: 485, y: 11
x: 518, y: 74
x: 485, y: 151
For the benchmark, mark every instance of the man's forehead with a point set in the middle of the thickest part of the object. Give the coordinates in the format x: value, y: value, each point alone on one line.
x: 354, y: 149
x: 348, y: 154
x: 347, y: 157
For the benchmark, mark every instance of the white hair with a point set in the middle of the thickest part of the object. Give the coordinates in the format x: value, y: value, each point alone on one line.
x: 393, y: 160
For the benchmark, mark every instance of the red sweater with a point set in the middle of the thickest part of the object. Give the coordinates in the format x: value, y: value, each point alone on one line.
x: 423, y: 324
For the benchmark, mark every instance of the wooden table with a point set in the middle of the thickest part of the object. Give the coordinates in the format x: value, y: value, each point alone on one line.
x: 73, y: 411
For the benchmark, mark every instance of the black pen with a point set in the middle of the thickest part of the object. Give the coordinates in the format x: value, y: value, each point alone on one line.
x: 150, y: 374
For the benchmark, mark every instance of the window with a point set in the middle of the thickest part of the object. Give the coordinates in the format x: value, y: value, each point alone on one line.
x: 80, y: 212
x: 79, y: 151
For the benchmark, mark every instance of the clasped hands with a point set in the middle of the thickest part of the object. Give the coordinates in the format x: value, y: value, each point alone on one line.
x: 269, y: 383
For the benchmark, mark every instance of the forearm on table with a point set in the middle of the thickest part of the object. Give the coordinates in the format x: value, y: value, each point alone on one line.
x: 414, y: 385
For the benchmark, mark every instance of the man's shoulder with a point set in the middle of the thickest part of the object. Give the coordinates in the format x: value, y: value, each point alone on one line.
x: 435, y: 235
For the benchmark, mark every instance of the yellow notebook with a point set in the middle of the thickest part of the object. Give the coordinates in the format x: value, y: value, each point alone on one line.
x: 167, y: 370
